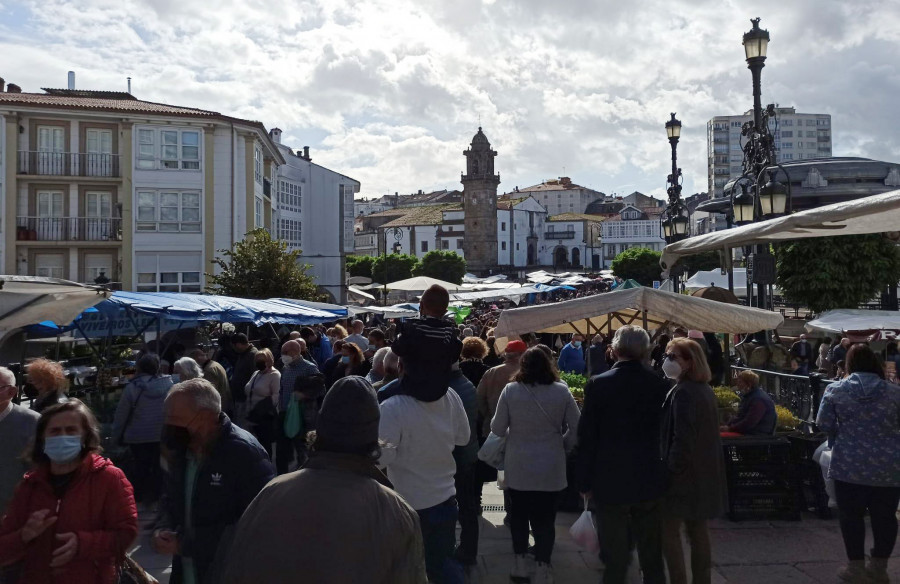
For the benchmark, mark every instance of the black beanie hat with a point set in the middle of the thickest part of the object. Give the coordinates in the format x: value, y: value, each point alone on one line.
x: 348, y: 420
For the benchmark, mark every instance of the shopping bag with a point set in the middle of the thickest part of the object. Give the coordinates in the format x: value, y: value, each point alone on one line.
x: 584, y: 532
x: 501, y: 480
x: 493, y: 451
x: 293, y: 419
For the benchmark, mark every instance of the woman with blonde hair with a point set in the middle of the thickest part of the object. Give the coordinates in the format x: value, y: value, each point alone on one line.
x: 692, y: 450
x: 265, y: 384
x: 49, y: 379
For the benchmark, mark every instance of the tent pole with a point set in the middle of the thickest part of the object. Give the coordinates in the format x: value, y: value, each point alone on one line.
x: 644, y: 318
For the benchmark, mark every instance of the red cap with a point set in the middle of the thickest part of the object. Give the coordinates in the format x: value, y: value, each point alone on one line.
x: 516, y: 347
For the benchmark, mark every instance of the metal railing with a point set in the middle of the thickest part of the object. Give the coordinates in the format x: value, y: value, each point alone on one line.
x: 560, y: 234
x: 801, y: 394
x: 68, y: 164
x: 68, y: 229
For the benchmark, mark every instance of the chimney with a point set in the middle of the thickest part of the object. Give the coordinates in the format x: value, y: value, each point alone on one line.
x: 13, y: 88
x: 129, y: 85
x: 2, y: 84
x: 306, y: 154
x: 275, y: 135
x: 71, y: 79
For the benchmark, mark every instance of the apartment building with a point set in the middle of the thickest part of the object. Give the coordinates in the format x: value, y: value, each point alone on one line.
x: 100, y: 183
x: 633, y: 227
x: 797, y: 137
x: 559, y: 195
x: 315, y: 213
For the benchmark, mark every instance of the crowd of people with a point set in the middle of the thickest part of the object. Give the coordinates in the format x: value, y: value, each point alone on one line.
x: 350, y: 453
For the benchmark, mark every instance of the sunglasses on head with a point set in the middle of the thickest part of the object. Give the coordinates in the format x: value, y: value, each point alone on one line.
x: 672, y: 355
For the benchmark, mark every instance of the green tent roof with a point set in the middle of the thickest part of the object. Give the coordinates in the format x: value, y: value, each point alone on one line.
x: 629, y: 283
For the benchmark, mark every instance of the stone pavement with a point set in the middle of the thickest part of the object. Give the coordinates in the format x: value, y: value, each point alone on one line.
x: 764, y: 552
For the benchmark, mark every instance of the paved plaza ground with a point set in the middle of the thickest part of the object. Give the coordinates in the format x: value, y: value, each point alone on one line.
x: 750, y: 552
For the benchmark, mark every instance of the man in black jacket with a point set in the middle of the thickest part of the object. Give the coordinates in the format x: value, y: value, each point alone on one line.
x: 619, y: 462
x: 215, y: 471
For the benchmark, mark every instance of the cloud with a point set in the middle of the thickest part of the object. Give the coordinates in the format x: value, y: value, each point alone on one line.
x: 391, y: 91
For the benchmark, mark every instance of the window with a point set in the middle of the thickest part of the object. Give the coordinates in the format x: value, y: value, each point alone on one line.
x: 424, y: 246
x: 787, y: 134
x: 517, y: 246
x: 169, y: 282
x: 822, y: 122
x: 810, y: 133
x: 258, y: 212
x: 289, y: 196
x: 445, y: 244
x: 168, y: 271
x: 735, y: 124
x: 459, y: 244
x: 787, y: 123
x: 810, y: 122
x: 787, y: 145
x: 49, y: 265
x: 290, y: 231
x: 168, y: 211
x: 258, y: 165
x: 178, y: 149
x: 503, y: 246
x: 503, y: 226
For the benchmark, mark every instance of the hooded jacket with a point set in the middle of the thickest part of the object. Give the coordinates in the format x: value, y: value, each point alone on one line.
x: 428, y: 347
x: 144, y: 398
x: 98, y: 506
x: 861, y: 415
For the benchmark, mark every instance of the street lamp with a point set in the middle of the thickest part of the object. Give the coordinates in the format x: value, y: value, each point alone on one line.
x: 397, y: 232
x: 675, y: 221
x: 773, y: 198
x: 744, y: 207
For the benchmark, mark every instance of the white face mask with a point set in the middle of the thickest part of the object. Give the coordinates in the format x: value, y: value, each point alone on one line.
x: 671, y: 368
x: 287, y: 359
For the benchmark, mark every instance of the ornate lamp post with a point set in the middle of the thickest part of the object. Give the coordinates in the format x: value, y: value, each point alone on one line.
x: 397, y: 232
x: 676, y: 221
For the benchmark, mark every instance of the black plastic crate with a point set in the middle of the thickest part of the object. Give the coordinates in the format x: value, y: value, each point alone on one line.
x: 763, y: 505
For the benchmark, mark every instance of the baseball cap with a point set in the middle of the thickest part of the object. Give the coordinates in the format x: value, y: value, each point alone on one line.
x: 516, y: 347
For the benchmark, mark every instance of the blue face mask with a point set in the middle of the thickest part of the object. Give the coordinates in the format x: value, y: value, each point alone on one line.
x: 62, y: 449
x: 345, y: 359
x: 576, y: 344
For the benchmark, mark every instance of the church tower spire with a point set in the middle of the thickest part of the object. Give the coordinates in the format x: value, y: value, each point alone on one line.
x: 480, y: 206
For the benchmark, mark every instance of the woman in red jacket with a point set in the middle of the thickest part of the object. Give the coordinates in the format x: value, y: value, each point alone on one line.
x: 73, y: 517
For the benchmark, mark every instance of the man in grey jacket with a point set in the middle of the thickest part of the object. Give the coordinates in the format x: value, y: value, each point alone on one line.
x: 17, y: 426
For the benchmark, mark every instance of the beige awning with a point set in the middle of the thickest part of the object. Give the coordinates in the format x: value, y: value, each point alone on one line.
x: 875, y: 214
x: 27, y: 300
x: 643, y: 307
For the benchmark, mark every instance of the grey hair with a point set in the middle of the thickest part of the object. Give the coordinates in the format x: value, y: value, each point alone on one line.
x: 378, y: 357
x: 201, y: 392
x: 7, y: 376
x: 631, y: 343
x: 187, y: 368
x: 390, y: 361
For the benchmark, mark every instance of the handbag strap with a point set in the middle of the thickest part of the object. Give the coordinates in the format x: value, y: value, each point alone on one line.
x: 546, y: 415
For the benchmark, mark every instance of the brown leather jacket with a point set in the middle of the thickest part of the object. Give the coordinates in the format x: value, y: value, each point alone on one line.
x: 489, y: 391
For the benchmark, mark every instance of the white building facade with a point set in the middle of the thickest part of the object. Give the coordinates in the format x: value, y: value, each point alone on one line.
x: 633, y: 227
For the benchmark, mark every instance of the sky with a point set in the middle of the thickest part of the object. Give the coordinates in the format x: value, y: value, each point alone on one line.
x: 390, y: 92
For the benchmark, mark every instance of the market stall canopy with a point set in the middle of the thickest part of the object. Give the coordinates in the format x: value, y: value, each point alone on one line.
x: 420, y: 284
x: 607, y: 312
x: 397, y: 311
x: 628, y: 284
x: 358, y: 294
x: 28, y: 300
x: 336, y: 309
x: 847, y: 320
x: 709, y: 278
x: 875, y: 214
x: 513, y: 292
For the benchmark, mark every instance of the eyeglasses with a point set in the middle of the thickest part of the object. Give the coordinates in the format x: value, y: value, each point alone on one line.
x: 672, y: 356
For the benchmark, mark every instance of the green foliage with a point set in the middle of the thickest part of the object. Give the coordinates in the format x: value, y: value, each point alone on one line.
x: 787, y: 421
x: 701, y: 262
x: 360, y: 265
x: 638, y: 263
x: 262, y: 267
x: 443, y: 265
x: 726, y: 398
x: 825, y: 273
x: 576, y: 383
x: 393, y: 267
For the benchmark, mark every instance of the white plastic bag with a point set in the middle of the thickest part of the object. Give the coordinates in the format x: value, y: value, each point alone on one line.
x: 584, y: 532
x: 501, y: 480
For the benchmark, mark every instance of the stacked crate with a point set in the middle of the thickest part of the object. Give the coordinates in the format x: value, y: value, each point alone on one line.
x: 762, y: 482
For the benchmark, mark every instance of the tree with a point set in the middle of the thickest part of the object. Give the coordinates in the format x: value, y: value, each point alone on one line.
x: 638, y: 263
x: 443, y: 265
x: 262, y: 267
x: 825, y: 273
x: 360, y: 265
x: 701, y: 262
x: 393, y: 267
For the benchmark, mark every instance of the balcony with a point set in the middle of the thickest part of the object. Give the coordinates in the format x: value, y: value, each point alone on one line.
x: 560, y: 234
x: 68, y: 229
x: 69, y: 164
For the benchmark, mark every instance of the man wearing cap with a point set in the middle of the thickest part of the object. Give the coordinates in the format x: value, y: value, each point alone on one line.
x: 318, y: 524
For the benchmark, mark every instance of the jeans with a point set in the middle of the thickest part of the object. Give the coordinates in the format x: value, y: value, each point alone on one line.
x: 537, y: 509
x: 468, y: 494
x: 438, y: 525
x: 147, y: 472
x: 853, y: 500
x: 619, y: 526
x: 701, y: 553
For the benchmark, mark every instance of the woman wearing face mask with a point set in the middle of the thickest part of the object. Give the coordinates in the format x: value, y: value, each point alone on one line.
x: 264, y: 384
x: 692, y: 450
x: 73, y: 517
x: 352, y: 362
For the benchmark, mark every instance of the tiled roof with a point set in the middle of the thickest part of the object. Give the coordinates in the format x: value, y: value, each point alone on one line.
x: 576, y: 217
x: 506, y: 204
x: 426, y: 215
x: 101, y: 104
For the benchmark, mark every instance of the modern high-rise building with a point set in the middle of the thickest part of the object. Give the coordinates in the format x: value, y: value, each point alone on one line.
x: 797, y: 137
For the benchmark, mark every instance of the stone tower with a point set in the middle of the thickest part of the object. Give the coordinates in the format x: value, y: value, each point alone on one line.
x: 480, y: 205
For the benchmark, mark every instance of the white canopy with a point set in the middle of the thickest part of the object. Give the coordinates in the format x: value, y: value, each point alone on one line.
x: 385, y: 311
x: 875, y: 214
x: 642, y: 306
x: 359, y: 294
x: 846, y: 319
x: 705, y: 279
x: 420, y: 284
x: 26, y: 300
